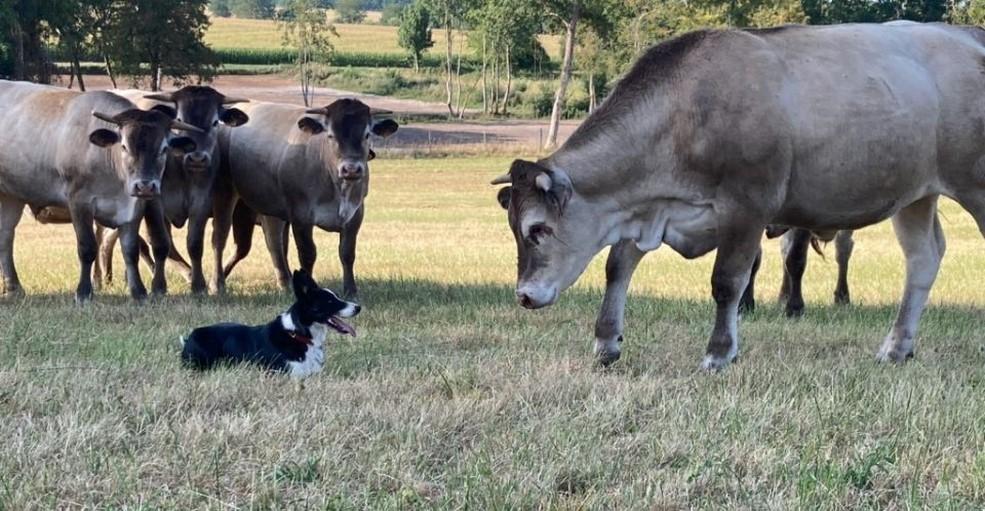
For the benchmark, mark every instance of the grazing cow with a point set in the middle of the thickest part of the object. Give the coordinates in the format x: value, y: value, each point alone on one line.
x: 715, y: 134
x: 46, y: 160
x: 306, y: 167
x: 187, y: 186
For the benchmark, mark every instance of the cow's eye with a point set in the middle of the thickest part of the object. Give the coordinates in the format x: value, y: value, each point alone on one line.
x: 367, y: 135
x: 538, y: 232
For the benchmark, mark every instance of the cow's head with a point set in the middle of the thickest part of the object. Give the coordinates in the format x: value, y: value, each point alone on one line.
x: 142, y: 139
x: 205, y: 108
x: 554, y: 241
x: 346, y: 125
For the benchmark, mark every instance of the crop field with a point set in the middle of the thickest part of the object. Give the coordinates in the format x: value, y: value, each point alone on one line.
x: 453, y: 397
x: 366, y: 38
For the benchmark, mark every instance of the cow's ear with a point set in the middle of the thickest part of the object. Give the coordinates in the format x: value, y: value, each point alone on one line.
x: 182, y: 145
x: 310, y: 126
x: 556, y: 187
x: 385, y: 128
x: 503, y: 196
x: 166, y: 110
x: 104, y: 137
x: 233, y: 117
x: 372, y: 155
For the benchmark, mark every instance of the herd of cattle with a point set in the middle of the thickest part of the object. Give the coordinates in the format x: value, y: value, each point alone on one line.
x: 711, y: 140
x: 109, y: 160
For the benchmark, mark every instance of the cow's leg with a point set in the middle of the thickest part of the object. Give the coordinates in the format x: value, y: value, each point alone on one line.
x: 244, y: 223
x: 795, y: 245
x: 748, y: 301
x: 97, y: 268
x: 347, y: 253
x: 619, y: 267
x: 222, y: 219
x: 175, y: 257
x: 159, y: 231
x: 11, y: 211
x: 196, y: 250
x: 304, y: 239
x: 107, y: 241
x: 843, y: 252
x: 737, y: 248
x: 130, y: 246
x: 275, y: 237
x: 922, y: 239
x: 87, y: 247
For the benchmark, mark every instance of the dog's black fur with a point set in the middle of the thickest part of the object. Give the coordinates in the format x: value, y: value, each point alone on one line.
x: 291, y: 343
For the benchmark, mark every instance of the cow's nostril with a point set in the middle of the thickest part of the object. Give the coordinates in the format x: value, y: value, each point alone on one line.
x: 524, y: 300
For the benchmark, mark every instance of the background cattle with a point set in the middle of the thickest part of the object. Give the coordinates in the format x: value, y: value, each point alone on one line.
x: 46, y: 160
x: 299, y: 167
x: 188, y: 182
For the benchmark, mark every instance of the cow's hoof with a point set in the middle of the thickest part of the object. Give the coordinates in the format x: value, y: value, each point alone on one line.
x: 894, y: 356
x: 218, y: 288
x: 793, y: 311
x: 200, y: 288
x: 715, y: 363
x: 747, y: 306
x: 842, y: 299
x: 13, y: 292
x: 607, y: 351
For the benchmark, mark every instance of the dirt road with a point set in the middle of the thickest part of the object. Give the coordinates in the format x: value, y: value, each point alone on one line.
x: 416, y: 135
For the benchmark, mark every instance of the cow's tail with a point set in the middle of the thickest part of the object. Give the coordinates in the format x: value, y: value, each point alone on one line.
x: 816, y: 245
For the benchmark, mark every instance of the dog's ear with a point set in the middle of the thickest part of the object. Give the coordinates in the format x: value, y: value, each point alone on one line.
x: 303, y: 283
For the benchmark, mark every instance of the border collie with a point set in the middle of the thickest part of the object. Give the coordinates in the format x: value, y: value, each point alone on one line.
x: 291, y: 343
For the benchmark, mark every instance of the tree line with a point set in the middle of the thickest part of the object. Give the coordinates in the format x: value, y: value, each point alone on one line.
x: 143, y: 39
x: 601, y: 38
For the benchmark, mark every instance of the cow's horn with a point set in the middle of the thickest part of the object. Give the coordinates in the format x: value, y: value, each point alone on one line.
x: 379, y: 111
x: 103, y: 117
x: 317, y: 111
x: 505, y: 179
x: 167, y: 97
x: 226, y: 100
x: 178, y: 125
x: 543, y: 181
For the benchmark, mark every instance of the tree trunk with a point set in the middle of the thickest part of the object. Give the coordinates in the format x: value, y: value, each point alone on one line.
x: 448, y: 48
x: 485, y: 92
x: 509, y: 79
x: 77, y: 68
x: 458, y: 79
x: 562, y: 88
x: 417, y: 62
x: 109, y: 70
x: 20, y: 71
x: 591, y: 92
x: 495, y: 87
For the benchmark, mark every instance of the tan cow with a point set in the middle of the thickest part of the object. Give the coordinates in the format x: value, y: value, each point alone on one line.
x: 717, y: 133
x: 94, y: 154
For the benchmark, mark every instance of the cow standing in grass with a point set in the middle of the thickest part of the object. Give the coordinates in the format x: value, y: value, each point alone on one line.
x: 188, y: 183
x: 716, y: 134
x: 303, y: 168
x: 94, y: 154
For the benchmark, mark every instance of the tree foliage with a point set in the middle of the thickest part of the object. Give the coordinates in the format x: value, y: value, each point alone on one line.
x: 308, y: 31
x: 414, y: 34
x: 349, y: 11
x: 220, y: 8
x: 255, y: 9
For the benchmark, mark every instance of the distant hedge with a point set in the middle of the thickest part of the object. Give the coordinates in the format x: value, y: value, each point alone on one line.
x: 339, y: 58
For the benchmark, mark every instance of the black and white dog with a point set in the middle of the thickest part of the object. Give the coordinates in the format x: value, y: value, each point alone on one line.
x: 291, y: 343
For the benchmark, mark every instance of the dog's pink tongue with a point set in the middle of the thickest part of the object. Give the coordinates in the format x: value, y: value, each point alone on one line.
x: 343, y: 327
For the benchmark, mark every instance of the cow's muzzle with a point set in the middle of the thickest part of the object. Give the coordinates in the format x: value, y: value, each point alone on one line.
x: 535, y: 297
x: 198, y: 161
x: 352, y: 170
x: 145, y: 188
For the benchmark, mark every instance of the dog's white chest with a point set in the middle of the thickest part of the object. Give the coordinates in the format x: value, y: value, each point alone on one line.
x: 314, y: 357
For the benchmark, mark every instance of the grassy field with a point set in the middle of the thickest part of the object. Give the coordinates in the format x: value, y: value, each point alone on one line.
x: 246, y: 33
x: 452, y: 397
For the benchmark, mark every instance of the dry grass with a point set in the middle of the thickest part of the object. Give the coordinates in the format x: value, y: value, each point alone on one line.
x: 246, y: 33
x: 452, y: 397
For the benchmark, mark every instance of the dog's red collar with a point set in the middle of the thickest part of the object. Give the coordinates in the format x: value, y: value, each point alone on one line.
x: 307, y: 341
